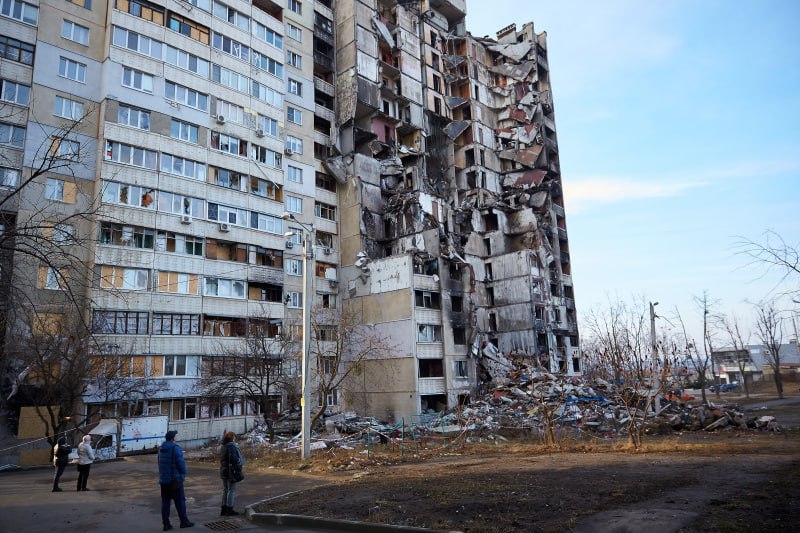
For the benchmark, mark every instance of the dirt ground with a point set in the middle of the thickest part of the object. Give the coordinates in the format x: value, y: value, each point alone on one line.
x: 725, y: 481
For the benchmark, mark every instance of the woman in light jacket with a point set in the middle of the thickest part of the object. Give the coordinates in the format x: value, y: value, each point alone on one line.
x: 85, y: 460
x: 230, y: 460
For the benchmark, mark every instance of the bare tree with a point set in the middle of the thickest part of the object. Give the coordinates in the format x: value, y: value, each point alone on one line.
x: 739, y: 342
x: 120, y: 376
x: 55, y: 358
x: 699, y: 358
x: 769, y: 330
x: 774, y: 252
x: 254, y: 371
x: 340, y: 343
x: 45, y: 244
x: 621, y: 344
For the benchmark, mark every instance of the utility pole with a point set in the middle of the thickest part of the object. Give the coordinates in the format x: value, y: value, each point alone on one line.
x: 654, y: 347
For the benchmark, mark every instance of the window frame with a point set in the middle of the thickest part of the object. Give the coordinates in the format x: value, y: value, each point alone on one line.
x: 64, y: 66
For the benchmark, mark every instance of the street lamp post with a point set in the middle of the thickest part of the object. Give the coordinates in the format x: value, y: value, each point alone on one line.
x: 308, y: 278
x: 654, y: 344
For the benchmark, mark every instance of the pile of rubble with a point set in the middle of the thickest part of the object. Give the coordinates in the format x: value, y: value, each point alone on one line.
x: 523, y: 398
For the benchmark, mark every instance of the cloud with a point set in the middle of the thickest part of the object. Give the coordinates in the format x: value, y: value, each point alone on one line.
x: 580, y: 194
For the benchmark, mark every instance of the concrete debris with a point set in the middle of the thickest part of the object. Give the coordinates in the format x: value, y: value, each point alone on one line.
x: 517, y: 51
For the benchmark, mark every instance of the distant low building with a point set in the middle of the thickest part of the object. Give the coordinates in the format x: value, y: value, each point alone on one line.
x: 753, y: 364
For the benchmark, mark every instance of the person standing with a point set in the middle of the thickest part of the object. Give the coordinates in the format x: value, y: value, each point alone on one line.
x: 85, y: 460
x: 231, y: 462
x: 60, y: 460
x: 171, y: 474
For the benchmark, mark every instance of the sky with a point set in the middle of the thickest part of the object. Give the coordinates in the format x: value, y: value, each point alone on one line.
x: 678, y: 126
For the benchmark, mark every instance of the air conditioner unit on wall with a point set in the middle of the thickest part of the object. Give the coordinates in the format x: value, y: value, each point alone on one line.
x: 289, y: 244
x: 288, y: 151
x: 327, y: 251
x: 259, y: 132
x: 224, y: 226
x: 186, y: 219
x: 220, y: 119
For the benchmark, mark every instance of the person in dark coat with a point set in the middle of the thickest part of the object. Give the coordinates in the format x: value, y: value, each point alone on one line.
x: 171, y: 475
x: 60, y: 460
x: 230, y: 461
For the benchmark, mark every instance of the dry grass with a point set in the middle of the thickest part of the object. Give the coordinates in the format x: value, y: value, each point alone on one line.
x: 362, y: 458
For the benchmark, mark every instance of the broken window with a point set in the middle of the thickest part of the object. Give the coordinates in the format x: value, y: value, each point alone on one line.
x: 459, y: 335
x: 493, y: 321
x: 265, y: 292
x: 427, y: 268
x: 461, y: 369
x: 490, y: 295
x: 455, y: 272
x: 427, y: 299
x: 324, y: 181
x: 490, y: 222
x: 489, y: 274
x: 429, y: 333
x: 457, y: 304
x: 435, y: 61
x: 431, y: 368
x: 437, y: 105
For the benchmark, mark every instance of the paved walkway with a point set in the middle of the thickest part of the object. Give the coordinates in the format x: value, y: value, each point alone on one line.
x: 124, y: 497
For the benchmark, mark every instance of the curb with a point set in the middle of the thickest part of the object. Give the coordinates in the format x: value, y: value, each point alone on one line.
x: 330, y: 524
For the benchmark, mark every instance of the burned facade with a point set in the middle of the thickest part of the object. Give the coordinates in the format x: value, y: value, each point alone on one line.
x: 452, y: 227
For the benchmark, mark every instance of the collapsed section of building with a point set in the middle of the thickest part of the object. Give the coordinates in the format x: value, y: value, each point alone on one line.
x: 453, y: 232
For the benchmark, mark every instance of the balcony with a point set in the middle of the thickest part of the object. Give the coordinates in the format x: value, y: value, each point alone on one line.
x: 323, y: 86
x: 265, y: 274
x: 323, y: 10
x: 324, y: 112
x: 558, y: 210
x: 432, y: 386
x: 564, y: 256
x: 321, y: 138
x: 323, y: 60
x: 453, y: 10
x: 562, y: 234
x: 324, y: 35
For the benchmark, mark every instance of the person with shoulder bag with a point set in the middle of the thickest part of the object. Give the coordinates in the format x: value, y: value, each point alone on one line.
x: 60, y: 460
x: 231, y: 462
x: 171, y: 474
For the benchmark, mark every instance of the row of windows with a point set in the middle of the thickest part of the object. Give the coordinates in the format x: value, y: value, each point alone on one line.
x: 113, y: 322
x: 142, y: 157
x: 166, y: 241
x: 143, y: 81
x: 157, y: 15
x: 167, y: 202
x: 138, y: 279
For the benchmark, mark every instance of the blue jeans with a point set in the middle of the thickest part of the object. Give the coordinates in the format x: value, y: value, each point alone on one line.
x: 170, y: 493
x: 228, y: 492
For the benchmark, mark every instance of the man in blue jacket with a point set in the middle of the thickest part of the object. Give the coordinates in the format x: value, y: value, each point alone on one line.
x: 171, y: 473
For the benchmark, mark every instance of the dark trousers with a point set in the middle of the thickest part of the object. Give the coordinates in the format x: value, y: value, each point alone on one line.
x: 83, y: 475
x: 169, y: 493
x: 57, y: 476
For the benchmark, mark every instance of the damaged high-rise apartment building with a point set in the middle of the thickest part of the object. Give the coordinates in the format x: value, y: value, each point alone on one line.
x: 452, y: 226
x: 425, y: 159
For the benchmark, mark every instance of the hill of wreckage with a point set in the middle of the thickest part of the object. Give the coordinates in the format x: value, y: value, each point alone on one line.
x: 521, y: 402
